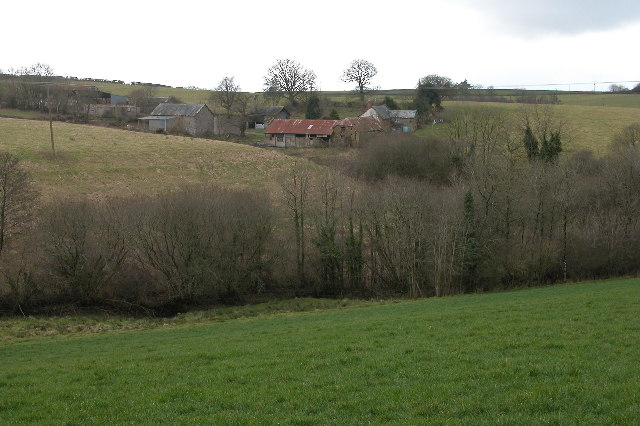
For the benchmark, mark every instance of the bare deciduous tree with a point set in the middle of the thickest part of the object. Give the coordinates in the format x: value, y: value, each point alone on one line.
x: 629, y: 137
x: 289, y: 78
x: 16, y: 197
x: 360, y: 72
x: 226, y: 94
x: 296, y: 193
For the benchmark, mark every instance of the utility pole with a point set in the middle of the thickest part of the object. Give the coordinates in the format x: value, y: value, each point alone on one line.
x: 53, y: 146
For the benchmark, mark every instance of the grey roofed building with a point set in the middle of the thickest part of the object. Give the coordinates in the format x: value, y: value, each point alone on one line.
x: 403, y: 113
x: 393, y: 119
x: 383, y: 111
x: 182, y: 110
x: 193, y: 119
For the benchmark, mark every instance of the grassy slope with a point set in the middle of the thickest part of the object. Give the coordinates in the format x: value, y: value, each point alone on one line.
x: 588, y: 127
x: 98, y: 160
x: 564, y: 354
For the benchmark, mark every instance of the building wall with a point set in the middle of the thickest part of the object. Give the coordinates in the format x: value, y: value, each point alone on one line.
x: 287, y: 140
x: 203, y: 124
x: 386, y: 124
x: 399, y: 123
x: 118, y: 111
x: 156, y: 125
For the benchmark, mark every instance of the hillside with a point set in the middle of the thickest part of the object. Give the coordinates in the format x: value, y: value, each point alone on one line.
x: 586, y: 127
x: 102, y: 161
x: 565, y: 354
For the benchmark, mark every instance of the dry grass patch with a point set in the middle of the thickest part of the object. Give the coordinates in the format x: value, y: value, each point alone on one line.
x: 100, y: 161
x: 589, y: 128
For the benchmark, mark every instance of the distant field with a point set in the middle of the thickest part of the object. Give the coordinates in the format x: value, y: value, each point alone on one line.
x: 588, y: 127
x: 101, y: 161
x: 556, y: 355
x: 601, y: 99
x: 187, y: 95
x: 403, y: 96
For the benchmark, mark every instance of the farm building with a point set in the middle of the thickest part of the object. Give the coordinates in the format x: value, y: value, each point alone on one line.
x: 260, y: 118
x: 301, y: 133
x: 359, y: 126
x: 403, y: 120
x: 113, y: 110
x: 193, y: 119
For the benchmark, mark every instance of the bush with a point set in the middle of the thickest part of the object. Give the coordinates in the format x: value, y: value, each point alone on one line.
x: 203, y: 242
x: 407, y: 156
x: 86, y: 247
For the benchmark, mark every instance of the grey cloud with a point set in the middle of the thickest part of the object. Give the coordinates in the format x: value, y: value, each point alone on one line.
x: 536, y: 18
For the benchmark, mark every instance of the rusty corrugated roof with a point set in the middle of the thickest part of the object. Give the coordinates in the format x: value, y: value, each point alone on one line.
x: 302, y: 127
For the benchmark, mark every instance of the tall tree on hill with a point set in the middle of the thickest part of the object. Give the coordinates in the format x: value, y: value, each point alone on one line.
x: 287, y: 77
x: 296, y: 189
x: 313, y: 108
x: 427, y: 101
x: 360, y: 72
x: 226, y: 94
x: 437, y: 81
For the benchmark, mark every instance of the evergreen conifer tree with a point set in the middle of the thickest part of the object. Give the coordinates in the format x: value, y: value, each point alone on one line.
x: 313, y: 108
x: 530, y: 143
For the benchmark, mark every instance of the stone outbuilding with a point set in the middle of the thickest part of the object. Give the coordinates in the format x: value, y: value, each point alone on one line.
x: 192, y: 119
x: 403, y: 120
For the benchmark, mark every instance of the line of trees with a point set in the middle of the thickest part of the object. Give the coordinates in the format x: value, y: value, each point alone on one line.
x: 475, y: 212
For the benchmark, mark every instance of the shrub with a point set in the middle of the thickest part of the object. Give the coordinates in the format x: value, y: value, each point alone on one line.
x: 407, y: 156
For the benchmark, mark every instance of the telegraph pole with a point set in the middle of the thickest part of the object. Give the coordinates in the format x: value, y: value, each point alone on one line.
x: 53, y: 146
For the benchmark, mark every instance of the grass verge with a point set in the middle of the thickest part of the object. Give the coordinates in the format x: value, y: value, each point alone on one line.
x: 565, y: 354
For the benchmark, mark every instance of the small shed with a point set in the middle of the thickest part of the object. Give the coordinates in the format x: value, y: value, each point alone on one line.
x: 193, y: 119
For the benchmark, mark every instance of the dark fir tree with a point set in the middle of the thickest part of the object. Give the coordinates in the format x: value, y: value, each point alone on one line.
x: 333, y: 115
x: 530, y: 143
x: 551, y: 148
x: 390, y: 103
x: 313, y: 108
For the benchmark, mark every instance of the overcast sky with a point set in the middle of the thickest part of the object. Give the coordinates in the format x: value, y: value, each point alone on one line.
x: 197, y: 43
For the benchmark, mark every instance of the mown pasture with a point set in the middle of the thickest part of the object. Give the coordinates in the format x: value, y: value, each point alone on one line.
x: 564, y: 355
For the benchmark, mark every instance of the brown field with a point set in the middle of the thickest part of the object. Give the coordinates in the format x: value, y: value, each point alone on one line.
x: 99, y: 161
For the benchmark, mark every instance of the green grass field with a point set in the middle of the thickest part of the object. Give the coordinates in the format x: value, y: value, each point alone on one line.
x: 556, y: 355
